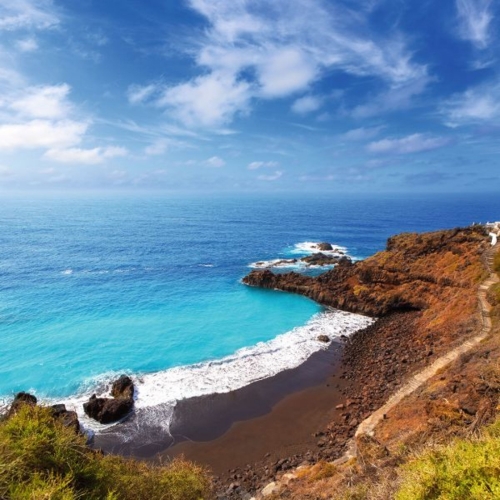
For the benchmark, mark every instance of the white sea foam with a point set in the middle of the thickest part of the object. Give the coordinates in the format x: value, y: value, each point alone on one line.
x: 301, y: 249
x: 310, y: 247
x: 278, y: 264
x: 157, y: 393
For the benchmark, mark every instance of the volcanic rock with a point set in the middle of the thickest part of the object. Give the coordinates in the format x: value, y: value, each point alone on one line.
x: 21, y: 398
x: 68, y: 418
x: 324, y: 338
x: 106, y: 410
x: 324, y: 246
x: 123, y: 388
x: 320, y: 259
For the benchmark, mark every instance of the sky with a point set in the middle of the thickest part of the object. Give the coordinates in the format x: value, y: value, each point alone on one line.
x: 250, y: 95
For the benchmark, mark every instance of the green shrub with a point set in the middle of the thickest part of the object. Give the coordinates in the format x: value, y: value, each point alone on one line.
x: 41, y: 459
x: 465, y: 469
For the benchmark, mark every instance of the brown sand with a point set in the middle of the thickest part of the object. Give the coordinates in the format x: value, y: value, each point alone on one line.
x: 272, y: 419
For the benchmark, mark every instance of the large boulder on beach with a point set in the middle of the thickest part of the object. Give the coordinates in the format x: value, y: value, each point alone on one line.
x: 123, y: 388
x: 106, y: 410
x: 20, y: 399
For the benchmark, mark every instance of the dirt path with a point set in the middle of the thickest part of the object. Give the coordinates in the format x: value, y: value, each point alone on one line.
x: 368, y: 425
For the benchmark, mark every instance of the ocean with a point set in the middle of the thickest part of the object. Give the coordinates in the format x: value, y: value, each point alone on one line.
x: 94, y: 285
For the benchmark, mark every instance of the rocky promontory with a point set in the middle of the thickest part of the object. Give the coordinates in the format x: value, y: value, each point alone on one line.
x: 414, y: 271
x: 423, y: 288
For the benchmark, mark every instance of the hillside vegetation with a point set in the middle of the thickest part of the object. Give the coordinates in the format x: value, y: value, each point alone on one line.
x: 40, y: 458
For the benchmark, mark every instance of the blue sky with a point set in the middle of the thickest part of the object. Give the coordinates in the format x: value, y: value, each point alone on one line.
x: 250, y: 95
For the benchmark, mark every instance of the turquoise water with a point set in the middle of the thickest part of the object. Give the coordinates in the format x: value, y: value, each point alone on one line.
x: 95, y: 284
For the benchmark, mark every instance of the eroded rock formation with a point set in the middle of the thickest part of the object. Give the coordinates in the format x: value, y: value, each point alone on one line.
x: 109, y: 410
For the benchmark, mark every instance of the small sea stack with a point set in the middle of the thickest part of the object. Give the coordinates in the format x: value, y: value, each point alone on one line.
x: 109, y: 410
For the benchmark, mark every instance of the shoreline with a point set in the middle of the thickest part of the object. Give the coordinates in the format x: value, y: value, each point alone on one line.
x: 203, y: 422
x: 269, y: 419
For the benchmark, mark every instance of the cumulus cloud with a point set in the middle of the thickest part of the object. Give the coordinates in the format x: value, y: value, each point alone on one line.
x: 209, y: 100
x: 474, y: 19
x: 268, y: 50
x: 255, y: 165
x: 476, y: 105
x: 414, y: 143
x: 306, y: 104
x: 215, y: 162
x: 41, y: 134
x: 43, y: 117
x: 43, y: 102
x: 285, y: 71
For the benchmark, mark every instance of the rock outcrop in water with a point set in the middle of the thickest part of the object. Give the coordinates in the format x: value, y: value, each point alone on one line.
x: 123, y: 388
x: 109, y: 410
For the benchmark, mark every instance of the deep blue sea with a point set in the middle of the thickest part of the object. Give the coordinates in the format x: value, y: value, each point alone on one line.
x: 95, y: 285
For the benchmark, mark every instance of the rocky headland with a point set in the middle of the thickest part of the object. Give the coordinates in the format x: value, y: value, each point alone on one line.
x: 423, y: 288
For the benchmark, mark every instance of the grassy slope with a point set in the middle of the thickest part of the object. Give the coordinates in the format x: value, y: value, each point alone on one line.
x: 41, y: 459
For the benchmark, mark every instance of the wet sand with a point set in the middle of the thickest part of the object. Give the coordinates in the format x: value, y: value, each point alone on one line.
x: 270, y: 419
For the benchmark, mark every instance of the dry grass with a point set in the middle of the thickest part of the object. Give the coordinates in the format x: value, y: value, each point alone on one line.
x: 42, y: 459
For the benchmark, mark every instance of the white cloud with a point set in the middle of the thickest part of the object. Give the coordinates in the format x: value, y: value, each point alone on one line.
x: 215, y: 162
x: 398, y: 97
x: 158, y: 147
x: 255, y: 165
x: 140, y: 93
x: 306, y: 104
x: 272, y: 177
x: 85, y: 156
x: 21, y: 14
x: 114, y: 152
x: 43, y: 102
x: 414, y: 143
x: 362, y: 133
x: 44, y: 118
x: 267, y: 50
x: 285, y: 71
x: 474, y: 18
x: 41, y: 134
x: 476, y: 105
x: 27, y: 45
x: 209, y: 100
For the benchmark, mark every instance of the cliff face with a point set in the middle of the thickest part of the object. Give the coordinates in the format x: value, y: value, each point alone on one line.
x: 412, y: 274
